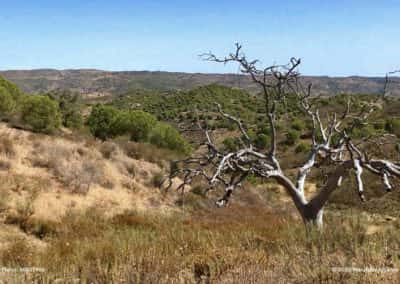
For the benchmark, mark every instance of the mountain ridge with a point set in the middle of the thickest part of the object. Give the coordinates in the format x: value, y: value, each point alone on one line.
x: 103, y: 83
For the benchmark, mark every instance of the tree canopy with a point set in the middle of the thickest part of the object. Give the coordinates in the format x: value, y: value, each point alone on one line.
x: 41, y: 113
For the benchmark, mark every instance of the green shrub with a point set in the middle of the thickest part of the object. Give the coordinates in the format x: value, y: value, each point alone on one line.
x: 40, y: 113
x: 7, y: 102
x: 137, y: 124
x: 292, y: 136
x: 165, y: 136
x: 230, y: 144
x: 252, y: 135
x: 107, y: 122
x: 379, y: 124
x: 73, y: 119
x: 120, y: 123
x: 9, y: 95
x: 298, y: 124
x: 301, y: 148
x: 11, y: 88
x: 263, y: 128
x: 70, y: 108
x: 364, y: 131
x: 335, y: 139
x: 101, y: 121
x: 231, y: 126
x: 393, y: 126
x: 261, y: 141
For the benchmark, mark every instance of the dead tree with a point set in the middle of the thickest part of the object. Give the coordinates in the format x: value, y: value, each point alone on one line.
x: 229, y: 169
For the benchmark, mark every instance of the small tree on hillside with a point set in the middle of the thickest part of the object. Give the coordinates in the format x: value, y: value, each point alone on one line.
x: 331, y: 144
x: 101, y: 121
x: 138, y: 124
x: 40, y: 113
x: 7, y: 102
x: 12, y: 89
x: 70, y: 108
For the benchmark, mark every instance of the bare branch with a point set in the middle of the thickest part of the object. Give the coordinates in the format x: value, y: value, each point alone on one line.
x: 277, y: 82
x: 238, y: 122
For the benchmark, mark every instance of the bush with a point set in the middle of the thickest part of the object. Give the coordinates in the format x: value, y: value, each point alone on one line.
x: 393, y: 126
x: 7, y: 102
x: 298, y: 124
x: 11, y: 88
x: 101, y: 121
x: 261, y: 141
x: 364, y: 131
x: 119, y: 123
x: 292, y: 136
x: 73, y: 119
x: 263, y: 128
x: 9, y: 95
x: 70, y: 108
x: 379, y: 124
x: 138, y: 124
x: 107, y: 122
x: 230, y: 144
x: 166, y: 136
x: 301, y: 148
x: 231, y: 126
x: 40, y: 113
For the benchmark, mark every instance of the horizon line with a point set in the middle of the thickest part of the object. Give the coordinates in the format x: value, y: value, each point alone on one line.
x: 178, y: 72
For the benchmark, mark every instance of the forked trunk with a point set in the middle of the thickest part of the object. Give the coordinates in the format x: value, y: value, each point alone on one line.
x: 312, y: 217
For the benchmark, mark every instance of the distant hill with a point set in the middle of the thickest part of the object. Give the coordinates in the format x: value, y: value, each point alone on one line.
x: 93, y: 83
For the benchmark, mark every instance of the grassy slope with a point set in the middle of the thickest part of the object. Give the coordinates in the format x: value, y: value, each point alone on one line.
x: 114, y: 232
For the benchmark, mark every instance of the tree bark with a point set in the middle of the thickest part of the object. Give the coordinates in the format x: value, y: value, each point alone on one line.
x: 313, y: 217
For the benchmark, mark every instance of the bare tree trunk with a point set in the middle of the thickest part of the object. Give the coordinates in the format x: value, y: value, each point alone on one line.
x: 313, y: 217
x: 311, y: 212
x: 229, y: 169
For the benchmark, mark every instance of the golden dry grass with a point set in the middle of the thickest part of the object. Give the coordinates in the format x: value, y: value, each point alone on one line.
x: 70, y: 174
x: 126, y: 231
x: 233, y: 245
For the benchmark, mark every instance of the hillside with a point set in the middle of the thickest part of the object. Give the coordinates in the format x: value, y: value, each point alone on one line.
x: 79, y: 209
x: 69, y: 173
x: 74, y: 208
x: 94, y: 83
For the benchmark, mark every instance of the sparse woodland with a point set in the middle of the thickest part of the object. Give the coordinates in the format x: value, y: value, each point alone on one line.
x: 84, y: 193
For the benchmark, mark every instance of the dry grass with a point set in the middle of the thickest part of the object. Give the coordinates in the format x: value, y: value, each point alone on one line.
x: 5, y: 165
x: 157, y: 180
x: 7, y: 147
x: 75, y: 167
x: 105, y: 236
x: 69, y: 173
x: 107, y: 149
x: 233, y: 245
x: 148, y: 153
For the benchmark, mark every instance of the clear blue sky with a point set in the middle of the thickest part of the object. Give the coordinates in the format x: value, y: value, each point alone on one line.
x: 332, y: 37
